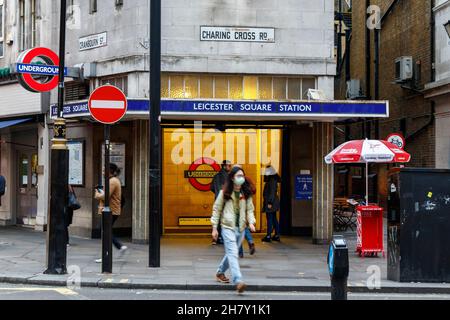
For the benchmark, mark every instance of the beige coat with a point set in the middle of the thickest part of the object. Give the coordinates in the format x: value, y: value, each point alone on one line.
x: 225, y: 213
x: 115, y: 197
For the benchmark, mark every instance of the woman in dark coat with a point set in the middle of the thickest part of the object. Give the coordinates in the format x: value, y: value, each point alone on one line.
x: 271, y: 203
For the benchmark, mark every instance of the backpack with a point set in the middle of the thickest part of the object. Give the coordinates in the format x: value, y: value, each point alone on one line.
x: 2, y: 186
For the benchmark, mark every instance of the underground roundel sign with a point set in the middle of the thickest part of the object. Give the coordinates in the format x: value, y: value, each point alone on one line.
x: 38, y: 69
x: 107, y: 104
x: 202, y: 169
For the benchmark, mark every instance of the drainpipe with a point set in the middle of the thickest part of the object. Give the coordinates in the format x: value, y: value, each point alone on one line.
x: 339, y: 38
x: 377, y: 78
x: 432, y: 73
x: 368, y: 71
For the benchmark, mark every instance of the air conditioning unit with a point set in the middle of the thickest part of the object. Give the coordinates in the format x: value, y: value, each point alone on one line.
x: 354, y: 89
x: 404, y: 69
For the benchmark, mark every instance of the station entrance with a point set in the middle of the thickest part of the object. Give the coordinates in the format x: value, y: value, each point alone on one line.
x: 193, y: 156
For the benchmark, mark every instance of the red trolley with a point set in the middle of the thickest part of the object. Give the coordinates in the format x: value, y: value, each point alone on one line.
x: 370, y: 230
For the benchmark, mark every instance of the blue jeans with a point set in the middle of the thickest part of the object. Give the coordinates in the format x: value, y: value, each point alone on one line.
x: 232, y: 240
x: 249, y: 238
x: 271, y: 223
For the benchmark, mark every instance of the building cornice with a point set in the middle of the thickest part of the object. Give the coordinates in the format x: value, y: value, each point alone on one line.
x: 438, y: 88
x: 441, y: 6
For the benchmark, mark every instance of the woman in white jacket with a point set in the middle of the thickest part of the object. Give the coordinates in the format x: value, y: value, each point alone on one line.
x: 234, y: 210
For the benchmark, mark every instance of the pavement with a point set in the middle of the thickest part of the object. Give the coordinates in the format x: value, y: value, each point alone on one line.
x: 190, y: 263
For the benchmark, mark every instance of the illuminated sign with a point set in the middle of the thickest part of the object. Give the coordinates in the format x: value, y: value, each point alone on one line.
x: 195, y: 176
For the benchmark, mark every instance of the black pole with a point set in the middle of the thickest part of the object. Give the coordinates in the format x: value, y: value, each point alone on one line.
x: 155, y: 135
x: 106, y: 213
x: 56, y: 235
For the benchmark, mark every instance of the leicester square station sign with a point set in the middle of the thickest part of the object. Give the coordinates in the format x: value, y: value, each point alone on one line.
x: 38, y: 69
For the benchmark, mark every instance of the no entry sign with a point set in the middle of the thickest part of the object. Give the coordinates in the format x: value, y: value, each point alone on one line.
x: 107, y: 104
x: 47, y: 70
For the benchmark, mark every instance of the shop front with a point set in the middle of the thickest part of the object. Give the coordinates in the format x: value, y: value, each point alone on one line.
x: 22, y: 158
x: 250, y: 121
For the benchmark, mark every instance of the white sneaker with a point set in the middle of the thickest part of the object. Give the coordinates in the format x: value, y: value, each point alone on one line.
x: 98, y: 260
x: 123, y: 248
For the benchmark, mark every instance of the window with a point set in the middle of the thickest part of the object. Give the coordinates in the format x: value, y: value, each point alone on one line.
x: 22, y: 31
x: 279, y: 88
x: 69, y: 9
x: 2, y: 31
x: 33, y: 24
x: 75, y: 91
x: 191, y: 87
x: 27, y: 24
x: 92, y: 6
x: 120, y: 82
x: 221, y: 87
x: 206, y: 86
x: 251, y: 88
x: 294, y: 89
x: 235, y: 87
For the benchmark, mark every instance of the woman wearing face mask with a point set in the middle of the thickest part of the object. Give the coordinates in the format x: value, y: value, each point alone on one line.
x: 234, y: 210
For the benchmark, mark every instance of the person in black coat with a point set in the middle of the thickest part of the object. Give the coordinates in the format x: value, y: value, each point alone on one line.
x: 271, y: 203
x: 216, y: 186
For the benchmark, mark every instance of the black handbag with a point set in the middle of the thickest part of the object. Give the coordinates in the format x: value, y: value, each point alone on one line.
x: 73, y: 201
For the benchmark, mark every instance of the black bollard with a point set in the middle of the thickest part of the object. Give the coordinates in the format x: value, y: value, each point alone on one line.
x: 338, y: 268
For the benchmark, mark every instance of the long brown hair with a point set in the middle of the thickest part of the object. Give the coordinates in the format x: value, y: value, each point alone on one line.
x: 248, y: 188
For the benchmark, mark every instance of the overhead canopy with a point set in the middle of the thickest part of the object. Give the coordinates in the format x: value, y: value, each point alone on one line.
x: 10, y: 123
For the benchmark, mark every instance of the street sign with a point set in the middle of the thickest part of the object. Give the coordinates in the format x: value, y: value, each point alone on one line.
x: 397, y: 139
x: 304, y: 187
x: 48, y: 70
x: 107, y: 104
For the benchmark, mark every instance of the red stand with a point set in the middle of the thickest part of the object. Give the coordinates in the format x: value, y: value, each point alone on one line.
x: 370, y: 230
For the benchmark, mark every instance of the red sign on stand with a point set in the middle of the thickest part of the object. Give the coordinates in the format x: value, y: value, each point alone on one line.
x: 108, y: 104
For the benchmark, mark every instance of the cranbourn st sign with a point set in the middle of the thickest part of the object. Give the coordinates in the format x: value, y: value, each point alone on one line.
x: 237, y: 34
x: 93, y: 41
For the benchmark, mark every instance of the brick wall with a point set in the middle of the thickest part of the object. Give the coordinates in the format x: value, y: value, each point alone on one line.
x: 405, y: 32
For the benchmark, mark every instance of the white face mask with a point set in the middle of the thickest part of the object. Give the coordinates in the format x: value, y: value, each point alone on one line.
x: 239, y: 181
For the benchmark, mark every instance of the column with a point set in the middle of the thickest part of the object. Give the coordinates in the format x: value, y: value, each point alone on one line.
x: 43, y: 188
x: 140, y: 182
x: 323, y: 143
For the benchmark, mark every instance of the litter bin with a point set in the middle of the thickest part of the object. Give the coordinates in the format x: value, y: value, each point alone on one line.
x: 369, y: 230
x: 419, y: 225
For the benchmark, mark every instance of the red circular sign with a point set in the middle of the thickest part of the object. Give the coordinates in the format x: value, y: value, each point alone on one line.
x: 50, y: 57
x: 202, y: 161
x: 107, y: 104
x: 397, y: 139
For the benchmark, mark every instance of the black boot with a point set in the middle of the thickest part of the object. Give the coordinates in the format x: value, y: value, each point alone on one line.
x: 276, y: 238
x: 266, y: 239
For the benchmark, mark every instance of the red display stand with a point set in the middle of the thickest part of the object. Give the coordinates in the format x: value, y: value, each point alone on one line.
x: 370, y: 230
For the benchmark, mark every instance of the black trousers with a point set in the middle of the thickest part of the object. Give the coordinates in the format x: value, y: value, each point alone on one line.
x: 116, y: 241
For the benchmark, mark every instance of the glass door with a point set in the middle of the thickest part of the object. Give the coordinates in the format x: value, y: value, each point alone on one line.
x: 27, y: 188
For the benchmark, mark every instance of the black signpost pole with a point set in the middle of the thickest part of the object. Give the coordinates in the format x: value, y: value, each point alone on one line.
x: 155, y: 135
x: 56, y: 235
x: 106, y: 213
